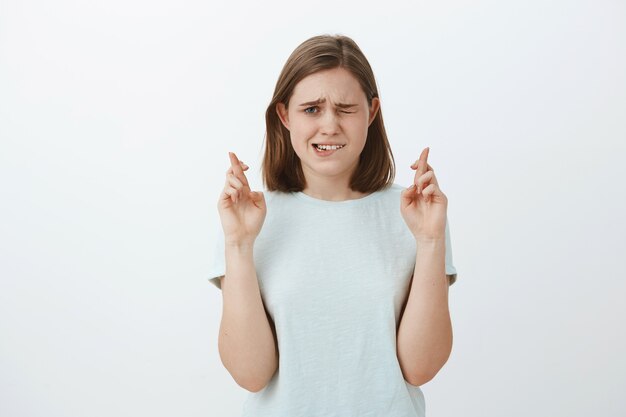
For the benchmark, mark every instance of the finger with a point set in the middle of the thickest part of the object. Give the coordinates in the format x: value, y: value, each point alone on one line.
x: 235, y: 164
x: 422, y: 160
x: 434, y: 178
x: 424, y: 180
x: 427, y: 178
x: 233, y: 194
x: 421, y: 167
x: 244, y: 168
x: 430, y: 191
x: 416, y: 166
x: 235, y: 183
x: 230, y: 193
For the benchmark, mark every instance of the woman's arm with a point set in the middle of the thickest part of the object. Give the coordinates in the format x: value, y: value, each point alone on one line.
x: 247, y: 340
x: 424, y: 339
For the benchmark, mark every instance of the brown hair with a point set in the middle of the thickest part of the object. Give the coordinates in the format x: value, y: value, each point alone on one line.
x: 281, y: 166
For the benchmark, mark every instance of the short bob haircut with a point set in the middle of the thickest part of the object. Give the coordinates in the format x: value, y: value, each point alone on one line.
x: 281, y: 167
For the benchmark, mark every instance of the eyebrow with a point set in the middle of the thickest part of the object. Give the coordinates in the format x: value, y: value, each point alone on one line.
x: 323, y: 100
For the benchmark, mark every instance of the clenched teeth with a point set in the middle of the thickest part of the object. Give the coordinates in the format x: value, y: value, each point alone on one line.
x: 328, y: 147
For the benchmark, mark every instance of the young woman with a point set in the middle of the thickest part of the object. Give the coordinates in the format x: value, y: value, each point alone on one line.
x: 335, y: 279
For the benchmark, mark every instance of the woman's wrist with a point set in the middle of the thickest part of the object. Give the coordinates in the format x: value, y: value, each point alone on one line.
x: 239, y: 246
x: 430, y: 239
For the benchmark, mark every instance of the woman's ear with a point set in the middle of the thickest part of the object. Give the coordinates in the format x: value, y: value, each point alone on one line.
x: 373, y: 109
x: 283, y: 114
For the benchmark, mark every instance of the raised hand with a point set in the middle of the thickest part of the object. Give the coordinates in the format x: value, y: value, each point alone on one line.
x: 242, y: 211
x: 423, y: 204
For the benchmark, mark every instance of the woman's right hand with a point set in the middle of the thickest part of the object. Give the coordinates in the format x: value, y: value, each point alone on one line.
x: 242, y: 211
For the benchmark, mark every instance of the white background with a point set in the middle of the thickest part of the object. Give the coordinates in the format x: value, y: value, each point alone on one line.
x: 115, y: 122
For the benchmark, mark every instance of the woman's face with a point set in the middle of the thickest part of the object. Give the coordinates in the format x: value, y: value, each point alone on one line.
x: 328, y: 108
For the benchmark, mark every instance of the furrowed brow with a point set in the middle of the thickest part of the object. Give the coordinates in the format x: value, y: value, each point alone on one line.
x: 314, y: 102
x: 323, y: 100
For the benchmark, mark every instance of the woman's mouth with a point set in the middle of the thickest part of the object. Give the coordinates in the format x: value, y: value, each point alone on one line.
x: 326, y: 149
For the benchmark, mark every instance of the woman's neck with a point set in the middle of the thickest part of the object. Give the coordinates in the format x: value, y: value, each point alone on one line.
x: 332, y: 193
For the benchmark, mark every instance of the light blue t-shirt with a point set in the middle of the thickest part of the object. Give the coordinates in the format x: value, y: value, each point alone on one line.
x: 334, y: 276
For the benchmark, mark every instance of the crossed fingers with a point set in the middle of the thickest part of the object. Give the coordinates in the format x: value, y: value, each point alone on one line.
x: 236, y: 178
x: 424, y: 172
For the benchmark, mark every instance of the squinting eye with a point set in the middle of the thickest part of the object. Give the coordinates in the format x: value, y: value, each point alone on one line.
x: 315, y: 109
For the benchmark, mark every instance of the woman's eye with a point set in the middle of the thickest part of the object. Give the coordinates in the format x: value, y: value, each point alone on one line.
x: 315, y: 109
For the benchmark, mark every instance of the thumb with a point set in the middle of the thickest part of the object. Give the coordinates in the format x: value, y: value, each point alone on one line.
x: 407, y: 195
x: 258, y: 198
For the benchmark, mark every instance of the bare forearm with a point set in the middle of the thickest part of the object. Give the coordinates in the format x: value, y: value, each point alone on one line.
x: 425, y: 333
x: 246, y: 342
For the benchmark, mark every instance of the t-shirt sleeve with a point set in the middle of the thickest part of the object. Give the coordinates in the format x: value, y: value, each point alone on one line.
x: 450, y: 269
x: 217, y: 260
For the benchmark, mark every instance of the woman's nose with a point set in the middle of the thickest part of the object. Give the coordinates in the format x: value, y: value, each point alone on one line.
x: 329, y: 123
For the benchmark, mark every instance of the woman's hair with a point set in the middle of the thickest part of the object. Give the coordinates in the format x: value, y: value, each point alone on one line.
x: 281, y: 167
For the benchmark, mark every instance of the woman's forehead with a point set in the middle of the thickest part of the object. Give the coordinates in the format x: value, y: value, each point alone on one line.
x: 338, y: 85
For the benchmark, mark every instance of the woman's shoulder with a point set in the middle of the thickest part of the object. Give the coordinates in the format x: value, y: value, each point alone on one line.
x: 275, y: 194
x: 393, y: 189
x: 275, y: 198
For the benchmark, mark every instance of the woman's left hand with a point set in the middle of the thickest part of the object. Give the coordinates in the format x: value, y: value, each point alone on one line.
x: 423, y: 205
